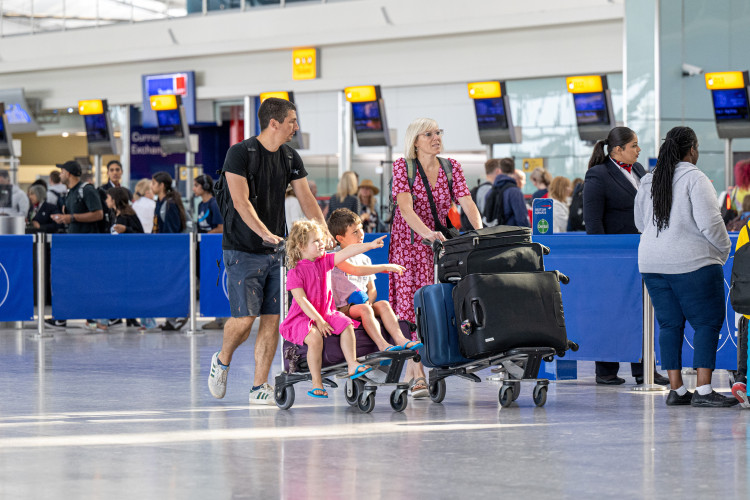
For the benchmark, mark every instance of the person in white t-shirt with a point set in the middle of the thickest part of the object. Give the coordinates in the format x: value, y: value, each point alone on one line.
x: 144, y: 204
x: 356, y: 296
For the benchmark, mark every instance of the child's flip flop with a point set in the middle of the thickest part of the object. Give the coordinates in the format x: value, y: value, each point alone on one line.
x: 313, y: 394
x: 414, y: 345
x: 359, y: 372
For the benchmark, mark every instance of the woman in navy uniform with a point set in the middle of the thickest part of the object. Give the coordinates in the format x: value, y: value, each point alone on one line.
x: 609, y: 191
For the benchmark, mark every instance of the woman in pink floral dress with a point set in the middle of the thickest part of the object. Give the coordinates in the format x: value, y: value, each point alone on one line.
x: 423, y: 143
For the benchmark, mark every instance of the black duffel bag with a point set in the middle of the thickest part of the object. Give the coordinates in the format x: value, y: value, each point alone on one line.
x: 498, y: 312
x: 498, y: 249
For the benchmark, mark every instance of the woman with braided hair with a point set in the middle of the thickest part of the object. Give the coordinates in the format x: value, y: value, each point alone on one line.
x: 683, y: 247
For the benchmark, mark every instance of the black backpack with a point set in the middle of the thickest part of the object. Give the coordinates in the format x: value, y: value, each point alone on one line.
x: 494, y: 208
x: 739, y: 291
x: 465, y: 224
x: 221, y: 189
x: 575, y: 219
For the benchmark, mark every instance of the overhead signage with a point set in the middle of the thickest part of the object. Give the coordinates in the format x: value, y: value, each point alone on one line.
x: 181, y: 84
x: 484, y: 90
x: 305, y: 64
x: 529, y: 164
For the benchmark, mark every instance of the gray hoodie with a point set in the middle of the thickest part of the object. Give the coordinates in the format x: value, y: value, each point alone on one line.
x: 696, y: 236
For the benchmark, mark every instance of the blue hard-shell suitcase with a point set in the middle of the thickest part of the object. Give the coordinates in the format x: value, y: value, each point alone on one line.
x: 436, y: 326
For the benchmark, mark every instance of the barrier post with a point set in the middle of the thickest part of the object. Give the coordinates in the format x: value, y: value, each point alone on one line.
x: 648, y: 347
x: 41, y: 291
x: 192, y: 329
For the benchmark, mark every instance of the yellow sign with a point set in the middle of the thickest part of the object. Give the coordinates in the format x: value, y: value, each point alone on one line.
x: 726, y: 80
x: 164, y: 102
x: 484, y: 90
x: 91, y: 107
x: 365, y: 93
x: 279, y: 95
x: 305, y: 64
x: 529, y: 164
x: 183, y: 173
x: 584, y: 84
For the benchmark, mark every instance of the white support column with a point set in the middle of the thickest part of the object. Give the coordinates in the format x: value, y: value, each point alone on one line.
x: 344, y: 135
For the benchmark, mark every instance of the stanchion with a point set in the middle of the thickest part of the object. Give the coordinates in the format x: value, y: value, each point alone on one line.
x: 192, y: 328
x: 648, y: 347
x: 40, y: 285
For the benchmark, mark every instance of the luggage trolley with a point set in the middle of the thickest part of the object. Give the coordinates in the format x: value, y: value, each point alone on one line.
x: 518, y: 364
x: 360, y: 392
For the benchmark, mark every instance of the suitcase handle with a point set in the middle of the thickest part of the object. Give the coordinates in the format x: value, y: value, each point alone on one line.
x: 417, y: 315
x: 545, y: 250
x: 478, y: 312
x: 562, y: 278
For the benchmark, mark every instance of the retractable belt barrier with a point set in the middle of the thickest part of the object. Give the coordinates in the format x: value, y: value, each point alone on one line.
x: 131, y: 276
x: 16, y: 277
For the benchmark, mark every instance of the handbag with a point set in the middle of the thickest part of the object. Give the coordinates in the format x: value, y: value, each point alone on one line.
x: 447, y: 230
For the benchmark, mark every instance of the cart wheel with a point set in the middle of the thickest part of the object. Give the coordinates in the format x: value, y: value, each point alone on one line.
x: 366, y: 404
x: 417, y: 358
x: 437, y: 391
x: 540, y: 395
x: 284, y: 397
x: 398, y: 400
x: 506, y: 395
x: 516, y: 390
x: 353, y: 390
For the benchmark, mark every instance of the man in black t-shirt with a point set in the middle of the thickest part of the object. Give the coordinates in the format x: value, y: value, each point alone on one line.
x: 253, y: 280
x: 83, y: 208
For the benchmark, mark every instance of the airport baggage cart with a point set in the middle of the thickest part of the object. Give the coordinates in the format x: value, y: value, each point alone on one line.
x: 360, y: 392
x: 517, y: 364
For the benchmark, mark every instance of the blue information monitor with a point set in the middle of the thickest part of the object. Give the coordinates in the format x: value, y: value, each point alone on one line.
x: 730, y: 104
x: 591, y: 108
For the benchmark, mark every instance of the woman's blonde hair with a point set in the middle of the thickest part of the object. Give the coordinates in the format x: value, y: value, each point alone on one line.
x: 142, y: 187
x: 559, y: 187
x: 298, y: 238
x: 347, y: 185
x: 541, y: 176
x: 418, y: 126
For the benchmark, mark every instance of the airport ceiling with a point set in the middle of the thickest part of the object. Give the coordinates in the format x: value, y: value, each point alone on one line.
x: 27, y: 16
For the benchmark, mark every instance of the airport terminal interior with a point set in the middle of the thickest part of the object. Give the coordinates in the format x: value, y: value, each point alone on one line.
x: 120, y: 408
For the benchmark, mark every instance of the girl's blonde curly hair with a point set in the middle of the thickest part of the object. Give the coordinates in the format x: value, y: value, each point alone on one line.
x: 298, y: 237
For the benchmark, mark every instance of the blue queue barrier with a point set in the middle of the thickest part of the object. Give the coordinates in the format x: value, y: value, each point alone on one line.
x: 16, y: 277
x: 214, y: 299
x: 122, y: 276
x: 603, y: 302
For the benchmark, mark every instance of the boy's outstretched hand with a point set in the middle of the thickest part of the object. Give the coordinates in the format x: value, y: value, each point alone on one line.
x: 393, y: 268
x: 377, y: 243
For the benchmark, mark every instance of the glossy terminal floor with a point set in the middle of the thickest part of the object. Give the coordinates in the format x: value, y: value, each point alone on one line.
x: 128, y: 415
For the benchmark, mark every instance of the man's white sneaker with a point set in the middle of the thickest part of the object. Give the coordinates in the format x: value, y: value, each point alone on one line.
x: 217, y: 378
x: 263, y: 395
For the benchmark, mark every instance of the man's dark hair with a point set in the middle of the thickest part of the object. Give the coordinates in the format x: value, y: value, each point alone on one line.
x: 275, y: 108
x: 115, y: 162
x: 4, y: 174
x: 340, y: 220
x: 491, y: 165
x: 54, y: 176
x: 507, y: 166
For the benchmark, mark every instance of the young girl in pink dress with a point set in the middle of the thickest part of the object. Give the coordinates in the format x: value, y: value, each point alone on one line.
x: 313, y: 314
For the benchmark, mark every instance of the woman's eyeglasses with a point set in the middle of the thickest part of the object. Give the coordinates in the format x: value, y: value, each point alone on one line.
x: 438, y: 133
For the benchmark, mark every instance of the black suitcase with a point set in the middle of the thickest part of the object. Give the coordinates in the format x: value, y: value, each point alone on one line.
x: 498, y: 312
x: 490, y: 250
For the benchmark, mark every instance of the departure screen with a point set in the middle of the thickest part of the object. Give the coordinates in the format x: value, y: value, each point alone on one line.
x: 3, y: 137
x: 491, y: 113
x: 591, y: 108
x: 730, y: 104
x: 367, y: 117
x: 96, y: 128
x: 169, y: 123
